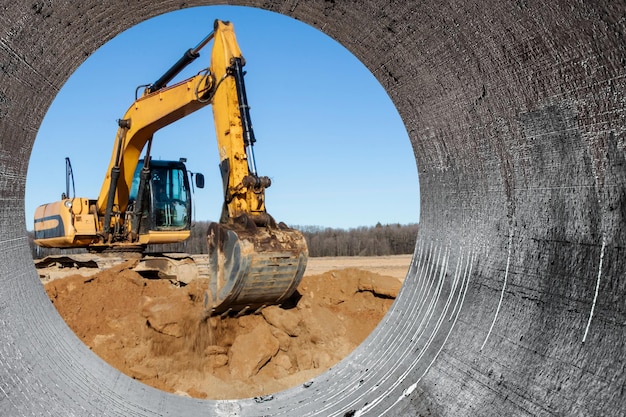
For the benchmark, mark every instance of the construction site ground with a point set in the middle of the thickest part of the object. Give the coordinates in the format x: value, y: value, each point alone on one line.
x: 152, y: 330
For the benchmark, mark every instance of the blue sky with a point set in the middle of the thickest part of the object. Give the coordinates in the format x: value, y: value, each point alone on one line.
x: 327, y: 134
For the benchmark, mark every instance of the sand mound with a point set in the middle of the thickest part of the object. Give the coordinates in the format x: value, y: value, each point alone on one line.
x: 152, y: 330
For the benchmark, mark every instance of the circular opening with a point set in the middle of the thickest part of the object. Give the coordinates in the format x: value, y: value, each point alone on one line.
x: 333, y: 144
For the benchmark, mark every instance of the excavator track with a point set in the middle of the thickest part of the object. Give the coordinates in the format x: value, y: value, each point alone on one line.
x: 251, y: 268
x: 180, y: 268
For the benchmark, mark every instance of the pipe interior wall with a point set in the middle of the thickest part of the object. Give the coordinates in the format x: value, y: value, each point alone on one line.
x: 514, y: 302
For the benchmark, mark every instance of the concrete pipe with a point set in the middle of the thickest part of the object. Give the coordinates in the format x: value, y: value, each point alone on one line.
x: 514, y: 302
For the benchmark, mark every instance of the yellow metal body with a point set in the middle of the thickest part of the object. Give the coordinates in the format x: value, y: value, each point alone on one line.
x: 65, y: 224
x: 156, y: 237
x: 241, y: 199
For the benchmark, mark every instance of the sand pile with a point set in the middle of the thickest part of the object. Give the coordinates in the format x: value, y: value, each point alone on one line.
x: 152, y: 330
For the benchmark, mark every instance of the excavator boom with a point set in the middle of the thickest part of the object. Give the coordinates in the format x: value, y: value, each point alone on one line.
x: 117, y: 219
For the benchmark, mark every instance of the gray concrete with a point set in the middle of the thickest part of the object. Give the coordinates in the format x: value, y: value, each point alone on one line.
x: 515, y: 302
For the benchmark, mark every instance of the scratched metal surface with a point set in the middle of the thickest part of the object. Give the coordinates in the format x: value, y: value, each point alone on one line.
x: 514, y: 302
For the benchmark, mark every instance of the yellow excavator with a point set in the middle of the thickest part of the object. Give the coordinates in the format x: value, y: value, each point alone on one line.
x: 252, y: 260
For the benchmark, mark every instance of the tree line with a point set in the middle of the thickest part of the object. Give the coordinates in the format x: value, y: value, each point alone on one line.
x: 378, y: 240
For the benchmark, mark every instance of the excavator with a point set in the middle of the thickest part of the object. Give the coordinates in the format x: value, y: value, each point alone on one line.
x: 252, y: 261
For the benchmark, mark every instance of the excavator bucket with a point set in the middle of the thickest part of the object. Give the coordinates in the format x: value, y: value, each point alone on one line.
x: 253, y: 267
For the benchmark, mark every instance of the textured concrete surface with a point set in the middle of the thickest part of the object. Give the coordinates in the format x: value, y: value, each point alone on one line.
x: 515, y: 300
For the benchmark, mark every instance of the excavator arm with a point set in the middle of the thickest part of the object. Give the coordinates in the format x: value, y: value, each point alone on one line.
x: 254, y: 260
x: 244, y: 190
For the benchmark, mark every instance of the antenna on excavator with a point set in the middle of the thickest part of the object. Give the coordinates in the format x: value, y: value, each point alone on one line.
x: 69, y: 176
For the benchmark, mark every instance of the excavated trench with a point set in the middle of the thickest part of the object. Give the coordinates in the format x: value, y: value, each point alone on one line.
x: 514, y: 303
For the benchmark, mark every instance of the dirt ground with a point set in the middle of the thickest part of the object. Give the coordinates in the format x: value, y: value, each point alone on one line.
x: 151, y: 329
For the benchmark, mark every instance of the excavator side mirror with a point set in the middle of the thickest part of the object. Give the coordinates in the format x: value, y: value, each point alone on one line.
x: 199, y: 180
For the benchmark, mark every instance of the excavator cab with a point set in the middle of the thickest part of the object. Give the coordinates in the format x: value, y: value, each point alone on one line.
x: 170, y: 198
x: 166, y: 201
x: 166, y: 196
